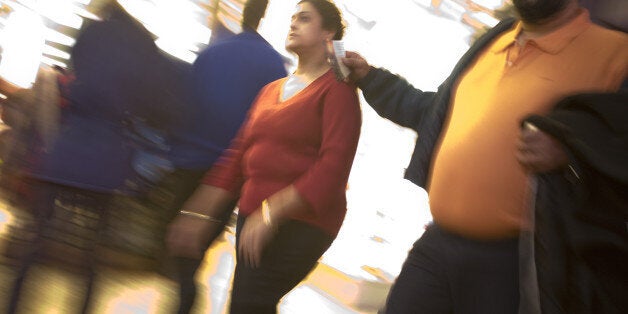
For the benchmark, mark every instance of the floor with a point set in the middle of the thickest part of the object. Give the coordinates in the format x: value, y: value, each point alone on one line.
x: 53, y: 289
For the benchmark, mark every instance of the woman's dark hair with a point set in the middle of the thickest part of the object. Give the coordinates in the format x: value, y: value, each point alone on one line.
x: 332, y: 18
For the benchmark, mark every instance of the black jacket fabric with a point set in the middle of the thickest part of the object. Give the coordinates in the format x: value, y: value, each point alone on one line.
x: 581, y: 215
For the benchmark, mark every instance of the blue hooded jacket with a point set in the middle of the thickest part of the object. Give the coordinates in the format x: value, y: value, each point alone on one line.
x: 115, y: 62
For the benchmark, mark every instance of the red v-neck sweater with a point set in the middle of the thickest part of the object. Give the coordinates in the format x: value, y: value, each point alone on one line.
x: 308, y: 140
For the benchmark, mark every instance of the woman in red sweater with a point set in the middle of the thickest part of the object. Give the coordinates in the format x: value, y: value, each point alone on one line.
x: 288, y: 166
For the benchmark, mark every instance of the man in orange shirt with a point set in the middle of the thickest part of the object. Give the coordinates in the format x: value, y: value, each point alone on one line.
x: 474, y: 159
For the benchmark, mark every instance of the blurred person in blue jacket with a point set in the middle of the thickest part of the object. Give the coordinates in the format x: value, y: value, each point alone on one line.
x: 224, y: 80
x: 113, y: 61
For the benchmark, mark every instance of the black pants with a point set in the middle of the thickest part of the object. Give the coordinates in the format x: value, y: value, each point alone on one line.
x: 288, y: 258
x: 446, y: 273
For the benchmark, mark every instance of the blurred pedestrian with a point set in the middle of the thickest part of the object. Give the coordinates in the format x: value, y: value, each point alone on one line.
x: 90, y: 158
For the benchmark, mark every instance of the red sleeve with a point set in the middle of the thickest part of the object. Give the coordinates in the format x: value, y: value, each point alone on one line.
x: 341, y: 121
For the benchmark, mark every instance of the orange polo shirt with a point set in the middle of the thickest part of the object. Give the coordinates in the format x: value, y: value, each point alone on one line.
x: 476, y: 186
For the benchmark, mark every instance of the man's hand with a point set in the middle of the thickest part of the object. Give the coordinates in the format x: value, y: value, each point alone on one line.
x: 539, y: 152
x: 357, y: 64
x: 188, y: 236
x: 254, y: 238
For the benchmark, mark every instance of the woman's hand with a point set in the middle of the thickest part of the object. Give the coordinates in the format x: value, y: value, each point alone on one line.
x: 189, y: 236
x: 254, y: 238
x: 256, y: 234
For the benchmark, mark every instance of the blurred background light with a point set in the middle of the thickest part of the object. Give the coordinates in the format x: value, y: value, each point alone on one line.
x: 22, y: 41
x: 5, y: 218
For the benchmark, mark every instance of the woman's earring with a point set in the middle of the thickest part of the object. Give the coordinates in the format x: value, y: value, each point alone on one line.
x: 328, y: 47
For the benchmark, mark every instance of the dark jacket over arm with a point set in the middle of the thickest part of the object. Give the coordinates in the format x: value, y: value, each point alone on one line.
x: 395, y: 99
x: 581, y: 237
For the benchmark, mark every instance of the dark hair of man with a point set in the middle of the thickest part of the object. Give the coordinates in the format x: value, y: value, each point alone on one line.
x: 539, y: 11
x: 253, y: 12
x: 332, y: 19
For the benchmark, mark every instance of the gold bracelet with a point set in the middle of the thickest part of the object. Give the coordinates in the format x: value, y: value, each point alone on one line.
x: 199, y: 216
x: 266, y: 213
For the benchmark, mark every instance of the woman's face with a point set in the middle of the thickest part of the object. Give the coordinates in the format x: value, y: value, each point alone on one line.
x: 306, y: 31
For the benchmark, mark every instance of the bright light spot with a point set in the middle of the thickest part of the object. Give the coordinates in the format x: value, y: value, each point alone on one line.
x: 5, y: 218
x: 141, y: 10
x: 491, y: 4
x: 86, y: 14
x: 22, y: 42
x: 298, y: 299
x: 174, y: 23
x: 56, y: 52
x: 144, y: 300
x: 486, y: 19
x: 51, y: 62
x: 276, y: 24
x: 176, y: 50
x: 60, y: 12
x: 54, y: 36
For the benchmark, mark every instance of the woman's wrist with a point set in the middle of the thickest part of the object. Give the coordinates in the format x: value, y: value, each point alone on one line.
x: 282, y: 206
x: 269, y: 215
x: 200, y: 216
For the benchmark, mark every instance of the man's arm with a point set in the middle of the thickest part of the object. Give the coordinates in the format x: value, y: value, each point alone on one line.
x: 392, y: 97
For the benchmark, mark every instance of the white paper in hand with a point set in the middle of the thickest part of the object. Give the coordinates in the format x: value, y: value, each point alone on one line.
x: 337, y: 52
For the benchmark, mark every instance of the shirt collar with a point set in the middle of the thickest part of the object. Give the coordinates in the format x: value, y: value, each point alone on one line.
x: 551, y: 43
x: 507, y: 39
